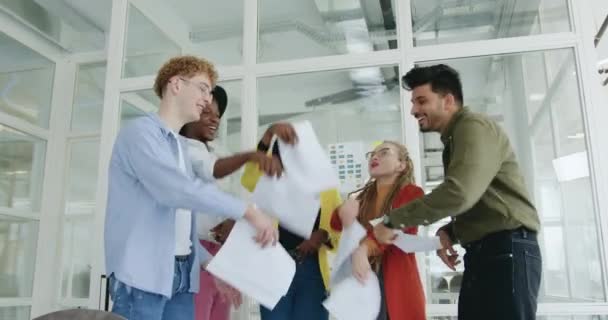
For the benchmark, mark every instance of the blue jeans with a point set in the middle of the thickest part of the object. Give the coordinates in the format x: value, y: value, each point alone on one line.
x: 135, y: 304
x: 501, y: 280
x: 305, y: 296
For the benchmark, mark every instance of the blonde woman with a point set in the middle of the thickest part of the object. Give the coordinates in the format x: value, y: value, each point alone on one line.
x: 391, y: 186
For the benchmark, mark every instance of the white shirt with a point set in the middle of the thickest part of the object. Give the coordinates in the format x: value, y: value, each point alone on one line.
x: 203, y: 162
x: 183, y: 217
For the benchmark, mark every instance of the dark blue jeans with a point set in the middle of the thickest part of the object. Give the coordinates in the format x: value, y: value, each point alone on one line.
x: 135, y: 304
x: 501, y: 280
x: 305, y: 296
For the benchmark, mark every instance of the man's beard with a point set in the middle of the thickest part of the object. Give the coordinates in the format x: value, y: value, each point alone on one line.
x: 424, y: 130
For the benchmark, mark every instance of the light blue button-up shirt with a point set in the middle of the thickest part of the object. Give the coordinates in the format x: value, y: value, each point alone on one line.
x: 145, y: 188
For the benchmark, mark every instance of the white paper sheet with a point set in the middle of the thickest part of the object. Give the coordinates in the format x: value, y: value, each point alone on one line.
x: 349, y: 241
x: 351, y: 300
x: 412, y: 243
x: 264, y: 274
x: 296, y: 209
x: 306, y: 162
x: 376, y: 221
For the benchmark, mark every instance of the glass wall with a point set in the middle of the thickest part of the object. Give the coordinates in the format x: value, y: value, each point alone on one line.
x: 16, y: 313
x: 22, y: 69
x: 538, y: 91
x: 160, y: 30
x: 76, y: 26
x: 26, y: 84
x: 88, y: 98
x: 18, y: 238
x: 79, y: 209
x: 81, y: 169
x: 136, y: 104
x: 349, y: 110
x: 21, y: 174
x: 144, y: 55
x: 535, y: 97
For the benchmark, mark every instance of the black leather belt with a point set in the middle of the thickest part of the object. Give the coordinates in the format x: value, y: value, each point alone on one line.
x: 521, y: 233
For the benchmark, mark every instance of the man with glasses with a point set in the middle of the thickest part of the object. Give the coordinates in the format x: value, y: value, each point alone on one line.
x: 152, y: 252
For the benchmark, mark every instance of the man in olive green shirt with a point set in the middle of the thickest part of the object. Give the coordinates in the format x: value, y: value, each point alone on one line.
x: 485, y: 195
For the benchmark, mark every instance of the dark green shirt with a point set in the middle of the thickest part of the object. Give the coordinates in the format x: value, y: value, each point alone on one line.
x: 483, y: 189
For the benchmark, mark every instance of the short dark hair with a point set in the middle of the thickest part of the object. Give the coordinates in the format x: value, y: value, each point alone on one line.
x: 220, y: 96
x: 442, y: 78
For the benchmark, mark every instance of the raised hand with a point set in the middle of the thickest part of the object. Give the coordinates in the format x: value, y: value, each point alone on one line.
x: 267, y: 233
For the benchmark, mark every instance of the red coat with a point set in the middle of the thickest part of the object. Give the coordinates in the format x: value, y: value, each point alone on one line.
x: 402, y: 286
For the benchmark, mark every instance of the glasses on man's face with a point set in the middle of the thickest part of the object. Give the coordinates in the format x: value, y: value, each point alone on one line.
x: 382, y: 153
x: 204, y: 88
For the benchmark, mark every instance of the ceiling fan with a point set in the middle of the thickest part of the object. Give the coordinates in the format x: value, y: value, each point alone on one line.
x: 366, y: 82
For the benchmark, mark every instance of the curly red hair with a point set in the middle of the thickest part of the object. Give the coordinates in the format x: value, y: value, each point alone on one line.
x: 187, y: 66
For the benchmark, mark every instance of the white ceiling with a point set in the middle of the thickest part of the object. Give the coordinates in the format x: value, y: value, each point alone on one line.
x: 449, y: 21
x: 206, y: 14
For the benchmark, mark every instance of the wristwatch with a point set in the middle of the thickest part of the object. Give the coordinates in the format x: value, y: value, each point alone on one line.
x: 387, y: 222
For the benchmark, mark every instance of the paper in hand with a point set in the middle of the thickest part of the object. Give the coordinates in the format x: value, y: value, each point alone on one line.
x: 306, y: 162
x: 281, y: 198
x: 349, y: 241
x: 264, y: 274
x: 352, y: 300
x: 412, y: 243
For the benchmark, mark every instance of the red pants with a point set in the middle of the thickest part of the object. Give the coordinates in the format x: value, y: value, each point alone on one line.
x: 207, y: 302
